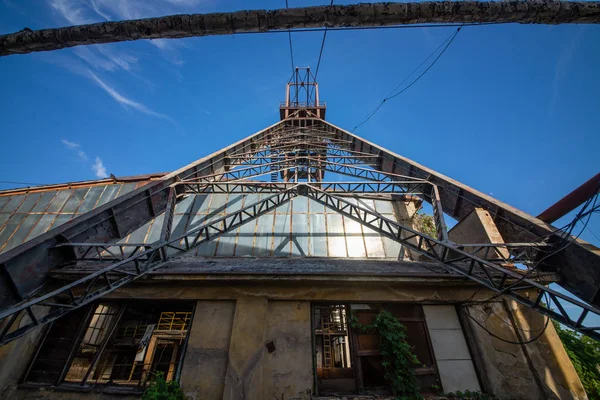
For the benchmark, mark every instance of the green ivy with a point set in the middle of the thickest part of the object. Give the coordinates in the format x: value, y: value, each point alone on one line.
x: 585, y: 355
x: 426, y: 224
x: 398, y: 358
x: 160, y: 389
x: 467, y: 394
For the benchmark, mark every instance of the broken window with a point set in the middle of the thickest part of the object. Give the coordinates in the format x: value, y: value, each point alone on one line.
x: 119, y: 344
x: 349, y: 361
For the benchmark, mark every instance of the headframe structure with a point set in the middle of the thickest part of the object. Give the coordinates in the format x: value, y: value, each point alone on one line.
x: 296, y: 156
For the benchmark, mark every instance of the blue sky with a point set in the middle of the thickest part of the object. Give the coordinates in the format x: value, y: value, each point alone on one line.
x: 511, y: 110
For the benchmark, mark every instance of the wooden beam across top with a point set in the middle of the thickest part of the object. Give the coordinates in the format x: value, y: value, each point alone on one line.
x: 337, y: 16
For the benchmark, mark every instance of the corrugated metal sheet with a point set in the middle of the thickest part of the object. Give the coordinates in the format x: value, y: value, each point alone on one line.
x: 26, y: 216
x: 317, y: 230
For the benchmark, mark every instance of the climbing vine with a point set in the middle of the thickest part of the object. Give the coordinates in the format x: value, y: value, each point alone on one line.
x: 160, y: 389
x: 425, y: 224
x: 398, y: 358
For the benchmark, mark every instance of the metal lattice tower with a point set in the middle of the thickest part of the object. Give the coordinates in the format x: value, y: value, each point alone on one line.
x: 302, y: 155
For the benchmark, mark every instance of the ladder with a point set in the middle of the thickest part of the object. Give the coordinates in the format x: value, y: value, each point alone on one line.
x: 326, y: 343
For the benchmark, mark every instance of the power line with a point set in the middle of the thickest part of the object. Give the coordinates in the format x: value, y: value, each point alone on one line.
x: 290, y: 37
x: 448, y: 42
x: 24, y: 183
x: 321, y: 51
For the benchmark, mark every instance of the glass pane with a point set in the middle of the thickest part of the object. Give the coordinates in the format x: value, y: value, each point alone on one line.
x: 75, y: 200
x: 59, y: 201
x: 29, y: 203
x: 43, y: 203
x: 91, y: 198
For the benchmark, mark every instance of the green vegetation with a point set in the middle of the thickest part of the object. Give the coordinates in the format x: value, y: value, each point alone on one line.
x: 585, y: 355
x: 426, y: 224
x: 160, y: 389
x: 398, y: 358
x: 467, y: 394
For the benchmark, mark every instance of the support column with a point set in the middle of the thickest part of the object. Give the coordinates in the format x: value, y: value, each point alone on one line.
x: 537, y: 370
x: 244, y: 377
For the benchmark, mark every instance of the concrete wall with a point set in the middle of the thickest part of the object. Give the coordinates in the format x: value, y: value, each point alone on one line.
x: 227, y: 358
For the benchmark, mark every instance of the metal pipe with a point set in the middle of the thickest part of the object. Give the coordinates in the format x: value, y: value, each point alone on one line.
x: 571, y: 201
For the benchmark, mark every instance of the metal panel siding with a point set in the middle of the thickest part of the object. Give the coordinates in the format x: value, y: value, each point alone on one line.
x: 10, y: 227
x: 59, y: 201
x: 154, y: 233
x: 234, y: 203
x: 217, y: 203
x: 29, y: 203
x: 22, y: 232
x: 300, y: 234
x: 281, y: 239
x: 139, y: 235
x: 227, y: 244
x: 354, y: 238
x: 42, y: 226
x: 384, y: 207
x: 245, y: 239
x: 201, y: 203
x: 314, y: 207
x: 4, y: 201
x: 44, y: 202
x: 91, y: 198
x: 14, y: 203
x: 264, y: 235
x: 185, y: 205
x: 75, y: 200
x: 373, y: 243
x: 318, y: 236
x: 62, y: 219
x: 126, y: 188
x: 109, y: 194
x: 336, y: 242
x: 392, y: 248
x: 300, y: 205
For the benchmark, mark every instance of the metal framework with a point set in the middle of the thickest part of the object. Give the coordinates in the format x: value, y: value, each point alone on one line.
x: 301, y: 156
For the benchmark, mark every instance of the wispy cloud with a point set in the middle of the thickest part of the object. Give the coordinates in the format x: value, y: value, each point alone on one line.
x: 76, y: 147
x: 126, y: 102
x: 98, y: 166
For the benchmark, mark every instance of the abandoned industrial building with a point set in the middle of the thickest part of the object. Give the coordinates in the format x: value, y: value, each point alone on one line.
x: 243, y: 287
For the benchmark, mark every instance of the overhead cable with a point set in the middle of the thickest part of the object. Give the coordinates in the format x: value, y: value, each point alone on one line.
x: 393, y: 93
x: 321, y: 51
x: 290, y: 37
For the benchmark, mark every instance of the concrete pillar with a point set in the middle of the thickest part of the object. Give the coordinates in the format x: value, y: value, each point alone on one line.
x: 537, y: 370
x: 207, y: 354
x: 243, y: 379
x: 405, y: 210
x: 288, y: 370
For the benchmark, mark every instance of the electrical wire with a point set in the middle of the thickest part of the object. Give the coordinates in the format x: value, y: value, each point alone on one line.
x: 520, y: 342
x: 24, y: 183
x: 290, y: 37
x: 321, y: 51
x: 447, y: 44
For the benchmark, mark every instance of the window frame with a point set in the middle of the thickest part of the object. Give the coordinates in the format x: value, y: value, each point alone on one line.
x: 76, y: 342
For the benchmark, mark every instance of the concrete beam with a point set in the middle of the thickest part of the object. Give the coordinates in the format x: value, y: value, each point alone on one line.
x: 376, y: 14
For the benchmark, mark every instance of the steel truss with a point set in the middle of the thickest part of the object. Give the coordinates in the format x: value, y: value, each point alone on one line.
x: 133, y: 263
x: 455, y: 259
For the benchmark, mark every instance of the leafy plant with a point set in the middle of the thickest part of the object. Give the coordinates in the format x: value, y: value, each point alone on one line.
x: 160, y: 389
x: 425, y: 224
x: 467, y: 394
x: 398, y: 358
x: 585, y: 356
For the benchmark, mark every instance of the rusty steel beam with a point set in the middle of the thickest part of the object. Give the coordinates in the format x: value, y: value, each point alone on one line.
x: 24, y: 269
x: 252, y: 21
x: 571, y: 201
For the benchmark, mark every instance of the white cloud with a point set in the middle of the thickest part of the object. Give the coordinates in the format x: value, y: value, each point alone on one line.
x: 76, y: 147
x: 99, y: 169
x: 98, y: 166
x: 124, y: 101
